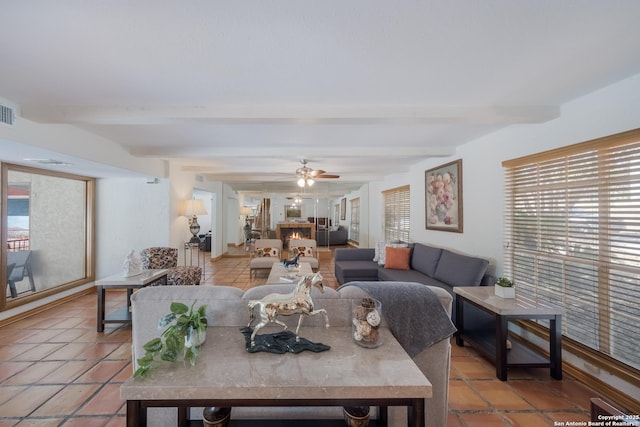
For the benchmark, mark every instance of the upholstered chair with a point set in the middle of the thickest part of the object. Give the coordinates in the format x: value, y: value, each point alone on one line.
x: 266, y: 252
x: 307, y: 249
x: 162, y: 257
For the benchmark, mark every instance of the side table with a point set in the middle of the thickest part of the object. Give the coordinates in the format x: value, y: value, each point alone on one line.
x: 118, y: 281
x: 192, y: 255
x: 505, y: 310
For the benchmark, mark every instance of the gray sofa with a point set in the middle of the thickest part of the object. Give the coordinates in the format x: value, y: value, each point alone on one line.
x: 429, y: 265
x: 326, y: 236
x: 227, y: 306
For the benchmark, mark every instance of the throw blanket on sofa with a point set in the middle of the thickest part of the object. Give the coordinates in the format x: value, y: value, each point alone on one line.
x: 415, y: 316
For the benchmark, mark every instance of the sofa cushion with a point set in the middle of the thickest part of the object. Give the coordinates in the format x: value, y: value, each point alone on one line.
x: 460, y: 270
x: 425, y: 259
x: 347, y: 271
x: 389, y: 275
x: 397, y: 258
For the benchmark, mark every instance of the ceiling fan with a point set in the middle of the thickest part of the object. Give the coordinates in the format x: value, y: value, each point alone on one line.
x: 307, y: 176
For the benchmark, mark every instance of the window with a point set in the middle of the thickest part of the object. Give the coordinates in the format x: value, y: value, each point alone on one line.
x: 572, y: 229
x: 354, y: 227
x: 396, y: 214
x: 48, y: 233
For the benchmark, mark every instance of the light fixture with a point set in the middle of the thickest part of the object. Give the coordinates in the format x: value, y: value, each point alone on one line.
x: 308, y: 181
x: 246, y: 211
x: 193, y: 208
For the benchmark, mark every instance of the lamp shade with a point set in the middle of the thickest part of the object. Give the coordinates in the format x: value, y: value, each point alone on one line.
x: 193, y: 207
x: 245, y: 210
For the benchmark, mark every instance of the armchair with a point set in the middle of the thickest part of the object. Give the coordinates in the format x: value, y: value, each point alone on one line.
x: 307, y: 249
x: 266, y: 253
x: 161, y: 257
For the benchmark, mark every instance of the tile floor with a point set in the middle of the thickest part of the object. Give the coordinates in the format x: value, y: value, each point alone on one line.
x: 55, y: 369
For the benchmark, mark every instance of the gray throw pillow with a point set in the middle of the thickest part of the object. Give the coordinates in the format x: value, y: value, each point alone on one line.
x: 460, y: 270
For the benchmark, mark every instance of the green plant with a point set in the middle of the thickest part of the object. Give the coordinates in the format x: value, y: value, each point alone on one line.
x: 184, y: 326
x: 505, y: 283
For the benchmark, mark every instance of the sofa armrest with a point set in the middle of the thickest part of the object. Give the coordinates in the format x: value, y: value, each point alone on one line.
x: 359, y: 254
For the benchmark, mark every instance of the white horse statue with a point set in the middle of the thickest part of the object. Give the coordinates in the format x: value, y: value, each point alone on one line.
x: 296, y: 302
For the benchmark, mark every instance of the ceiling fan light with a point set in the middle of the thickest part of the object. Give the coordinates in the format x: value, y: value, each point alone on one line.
x: 310, y: 182
x: 301, y: 182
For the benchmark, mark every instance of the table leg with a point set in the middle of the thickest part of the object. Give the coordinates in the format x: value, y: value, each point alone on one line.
x: 136, y: 415
x: 416, y: 413
x: 555, y: 347
x: 383, y: 416
x: 459, y: 321
x: 502, y: 330
x: 100, y: 314
x: 183, y: 416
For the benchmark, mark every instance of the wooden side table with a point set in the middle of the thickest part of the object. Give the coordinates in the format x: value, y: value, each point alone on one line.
x: 505, y: 310
x: 118, y: 281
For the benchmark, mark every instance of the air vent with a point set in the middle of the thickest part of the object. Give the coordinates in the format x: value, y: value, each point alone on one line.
x: 49, y: 162
x: 6, y: 115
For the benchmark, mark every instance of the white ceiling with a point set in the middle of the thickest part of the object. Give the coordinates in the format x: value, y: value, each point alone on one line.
x: 240, y: 91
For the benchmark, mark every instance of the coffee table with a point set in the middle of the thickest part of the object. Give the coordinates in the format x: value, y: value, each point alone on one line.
x: 278, y: 271
x: 505, y: 310
x: 226, y: 375
x: 118, y: 281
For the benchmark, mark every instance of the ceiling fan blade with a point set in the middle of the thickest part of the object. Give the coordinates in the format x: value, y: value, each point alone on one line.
x: 317, y: 172
x: 325, y: 175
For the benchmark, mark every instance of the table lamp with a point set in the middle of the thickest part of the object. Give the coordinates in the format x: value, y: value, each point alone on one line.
x: 193, y: 208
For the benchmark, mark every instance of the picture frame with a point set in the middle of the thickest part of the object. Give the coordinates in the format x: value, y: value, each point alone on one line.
x: 443, y: 197
x: 292, y: 212
x: 343, y: 208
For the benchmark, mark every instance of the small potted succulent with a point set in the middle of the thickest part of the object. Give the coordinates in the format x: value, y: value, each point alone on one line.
x: 186, y: 330
x: 505, y: 288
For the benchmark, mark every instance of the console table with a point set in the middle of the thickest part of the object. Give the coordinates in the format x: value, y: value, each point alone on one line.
x: 226, y: 375
x: 505, y: 310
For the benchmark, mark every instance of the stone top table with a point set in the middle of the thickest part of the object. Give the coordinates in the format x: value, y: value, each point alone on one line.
x: 227, y: 375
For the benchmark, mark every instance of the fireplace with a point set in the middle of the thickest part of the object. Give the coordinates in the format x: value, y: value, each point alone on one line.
x: 287, y: 230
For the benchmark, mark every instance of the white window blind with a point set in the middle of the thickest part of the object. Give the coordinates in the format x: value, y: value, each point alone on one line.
x: 572, y: 230
x: 354, y: 226
x: 397, y: 203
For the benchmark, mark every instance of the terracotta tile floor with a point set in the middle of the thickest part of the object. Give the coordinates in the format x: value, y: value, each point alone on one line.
x: 55, y: 369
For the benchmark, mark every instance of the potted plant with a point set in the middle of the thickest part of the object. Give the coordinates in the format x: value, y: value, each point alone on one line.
x: 505, y: 288
x: 186, y: 331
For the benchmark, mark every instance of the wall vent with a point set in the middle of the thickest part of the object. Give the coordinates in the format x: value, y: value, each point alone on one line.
x: 6, y: 115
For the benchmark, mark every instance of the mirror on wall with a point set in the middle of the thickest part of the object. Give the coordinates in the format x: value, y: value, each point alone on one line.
x: 47, y: 221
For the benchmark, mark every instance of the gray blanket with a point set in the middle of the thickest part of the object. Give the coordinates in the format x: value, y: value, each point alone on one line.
x: 415, y: 316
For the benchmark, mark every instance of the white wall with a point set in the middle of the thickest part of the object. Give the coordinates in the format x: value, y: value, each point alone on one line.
x: 604, y: 112
x: 130, y: 214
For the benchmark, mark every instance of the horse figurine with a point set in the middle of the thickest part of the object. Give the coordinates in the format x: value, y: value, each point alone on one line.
x: 296, y: 302
x: 293, y: 262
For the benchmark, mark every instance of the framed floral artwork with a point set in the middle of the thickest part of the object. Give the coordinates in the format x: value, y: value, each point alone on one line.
x: 443, y: 197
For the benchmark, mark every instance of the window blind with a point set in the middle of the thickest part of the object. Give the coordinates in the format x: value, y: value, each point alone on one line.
x: 572, y: 230
x: 397, y: 203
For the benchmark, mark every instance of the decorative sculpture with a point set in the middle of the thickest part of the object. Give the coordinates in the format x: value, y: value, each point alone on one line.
x: 132, y: 265
x: 296, y: 302
x: 293, y: 262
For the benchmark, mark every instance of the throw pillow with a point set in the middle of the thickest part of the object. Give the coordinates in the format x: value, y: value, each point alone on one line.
x: 382, y: 255
x: 267, y: 252
x: 397, y: 258
x: 302, y: 251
